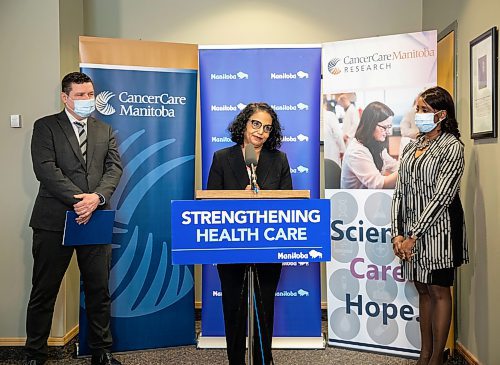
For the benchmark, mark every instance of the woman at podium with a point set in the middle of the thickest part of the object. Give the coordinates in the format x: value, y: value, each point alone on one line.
x: 254, y: 162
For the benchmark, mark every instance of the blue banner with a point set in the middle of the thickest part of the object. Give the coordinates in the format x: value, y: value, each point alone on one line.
x: 288, y: 79
x: 250, y: 231
x: 153, y: 112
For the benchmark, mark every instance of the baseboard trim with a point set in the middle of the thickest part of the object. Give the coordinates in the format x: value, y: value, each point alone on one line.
x: 53, y: 341
x: 466, y: 354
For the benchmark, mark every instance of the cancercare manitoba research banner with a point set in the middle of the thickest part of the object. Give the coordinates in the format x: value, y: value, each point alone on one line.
x: 147, y: 92
x: 288, y: 78
x: 370, y: 306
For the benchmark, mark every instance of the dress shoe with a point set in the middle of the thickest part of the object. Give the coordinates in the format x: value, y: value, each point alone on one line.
x: 104, y: 359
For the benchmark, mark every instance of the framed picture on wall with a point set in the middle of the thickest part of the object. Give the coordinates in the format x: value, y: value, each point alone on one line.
x: 483, y: 85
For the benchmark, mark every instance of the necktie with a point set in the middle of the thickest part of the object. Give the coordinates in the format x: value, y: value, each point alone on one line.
x: 83, y: 139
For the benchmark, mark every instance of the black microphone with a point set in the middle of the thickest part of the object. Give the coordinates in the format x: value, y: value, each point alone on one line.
x: 251, y: 160
x: 250, y: 155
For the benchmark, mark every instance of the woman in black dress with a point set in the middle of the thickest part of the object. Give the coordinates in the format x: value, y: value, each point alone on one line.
x: 428, y: 227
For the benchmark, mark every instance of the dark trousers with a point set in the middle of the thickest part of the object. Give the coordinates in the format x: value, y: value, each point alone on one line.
x: 234, y: 303
x: 50, y: 261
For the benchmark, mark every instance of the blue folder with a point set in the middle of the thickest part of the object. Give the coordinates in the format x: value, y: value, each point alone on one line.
x: 97, y: 231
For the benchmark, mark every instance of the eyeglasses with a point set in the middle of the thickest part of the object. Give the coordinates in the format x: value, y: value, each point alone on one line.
x: 257, y: 125
x: 385, y: 127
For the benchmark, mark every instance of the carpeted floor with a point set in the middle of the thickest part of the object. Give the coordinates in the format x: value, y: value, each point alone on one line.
x: 191, y: 355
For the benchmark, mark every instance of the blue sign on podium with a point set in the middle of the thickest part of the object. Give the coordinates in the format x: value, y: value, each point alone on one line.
x: 250, y: 231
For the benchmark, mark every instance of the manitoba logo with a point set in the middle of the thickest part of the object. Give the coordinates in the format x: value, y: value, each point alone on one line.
x: 241, y: 75
x: 228, y: 76
x: 299, y: 170
x: 302, y: 106
x: 332, y: 66
x: 303, y: 138
x: 300, y: 138
x: 221, y: 139
x: 102, y: 103
x: 315, y: 254
x: 289, y: 75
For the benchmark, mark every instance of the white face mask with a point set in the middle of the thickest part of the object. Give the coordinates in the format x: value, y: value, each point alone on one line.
x: 425, y: 122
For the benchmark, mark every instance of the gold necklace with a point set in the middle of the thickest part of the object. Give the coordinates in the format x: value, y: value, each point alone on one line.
x: 423, y: 143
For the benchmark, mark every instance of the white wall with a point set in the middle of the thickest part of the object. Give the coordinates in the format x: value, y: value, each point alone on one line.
x: 250, y: 22
x: 29, y: 66
x: 33, y: 55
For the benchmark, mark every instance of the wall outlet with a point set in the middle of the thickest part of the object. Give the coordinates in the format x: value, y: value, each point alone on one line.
x: 15, y: 121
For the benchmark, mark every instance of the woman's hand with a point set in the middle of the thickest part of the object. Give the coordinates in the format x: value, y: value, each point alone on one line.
x: 407, y: 247
x: 249, y: 187
x: 397, y: 246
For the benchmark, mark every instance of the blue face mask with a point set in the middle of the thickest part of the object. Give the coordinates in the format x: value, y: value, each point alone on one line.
x: 84, y: 107
x: 425, y: 122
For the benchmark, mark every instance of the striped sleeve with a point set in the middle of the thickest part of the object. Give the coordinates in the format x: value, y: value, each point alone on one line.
x: 397, y: 219
x: 447, y: 185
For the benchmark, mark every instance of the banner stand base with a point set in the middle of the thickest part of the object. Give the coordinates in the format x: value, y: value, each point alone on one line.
x: 383, y: 350
x: 295, y: 343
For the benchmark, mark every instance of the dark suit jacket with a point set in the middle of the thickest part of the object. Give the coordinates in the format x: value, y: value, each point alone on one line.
x: 61, y: 169
x: 229, y: 172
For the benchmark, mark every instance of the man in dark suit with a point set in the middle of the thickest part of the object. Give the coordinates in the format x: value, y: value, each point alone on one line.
x: 76, y: 160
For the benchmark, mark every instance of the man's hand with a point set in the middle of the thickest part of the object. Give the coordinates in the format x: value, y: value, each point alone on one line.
x: 85, y: 207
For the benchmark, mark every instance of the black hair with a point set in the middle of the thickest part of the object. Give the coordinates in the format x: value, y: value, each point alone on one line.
x: 373, y: 114
x: 440, y: 99
x: 239, y: 124
x: 74, y: 78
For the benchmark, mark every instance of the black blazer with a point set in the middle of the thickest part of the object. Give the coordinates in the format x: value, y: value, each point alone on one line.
x: 59, y: 165
x: 229, y: 172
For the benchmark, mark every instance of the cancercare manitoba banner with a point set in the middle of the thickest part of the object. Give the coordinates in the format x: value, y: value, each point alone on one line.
x: 370, y: 306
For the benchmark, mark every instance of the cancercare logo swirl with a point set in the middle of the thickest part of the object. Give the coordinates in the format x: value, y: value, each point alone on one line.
x: 102, y: 103
x: 332, y: 66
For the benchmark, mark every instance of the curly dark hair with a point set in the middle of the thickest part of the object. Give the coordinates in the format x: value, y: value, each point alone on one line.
x: 374, y: 113
x: 74, y: 78
x: 440, y: 99
x: 239, y: 124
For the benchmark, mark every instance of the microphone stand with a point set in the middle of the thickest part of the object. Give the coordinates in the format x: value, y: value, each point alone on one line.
x: 254, y: 179
x: 251, y: 285
x: 251, y: 313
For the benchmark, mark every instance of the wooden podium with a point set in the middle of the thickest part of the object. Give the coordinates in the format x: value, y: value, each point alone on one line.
x: 251, y: 194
